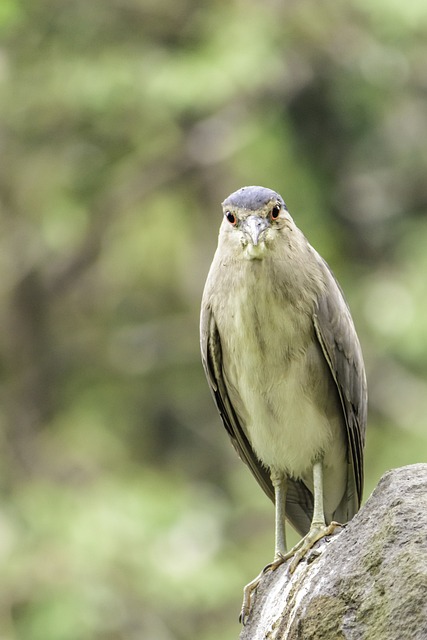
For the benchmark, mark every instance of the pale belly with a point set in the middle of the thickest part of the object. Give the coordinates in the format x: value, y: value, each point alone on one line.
x: 286, y: 427
x: 284, y: 395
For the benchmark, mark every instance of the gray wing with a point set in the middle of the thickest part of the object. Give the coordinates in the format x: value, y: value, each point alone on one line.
x: 340, y: 344
x: 299, y: 500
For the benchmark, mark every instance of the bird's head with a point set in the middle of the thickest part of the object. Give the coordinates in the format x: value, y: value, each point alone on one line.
x: 253, y: 216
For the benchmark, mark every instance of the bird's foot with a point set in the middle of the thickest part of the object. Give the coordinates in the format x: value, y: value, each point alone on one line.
x: 297, y: 553
x: 317, y: 532
x: 249, y: 590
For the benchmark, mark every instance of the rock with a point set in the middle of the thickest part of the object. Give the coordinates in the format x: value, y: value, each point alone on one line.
x: 369, y: 581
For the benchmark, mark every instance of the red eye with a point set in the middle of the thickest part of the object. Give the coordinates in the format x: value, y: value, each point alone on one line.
x: 275, y: 212
x: 231, y: 218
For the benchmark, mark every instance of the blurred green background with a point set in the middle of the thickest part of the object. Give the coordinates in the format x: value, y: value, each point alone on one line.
x: 124, y: 512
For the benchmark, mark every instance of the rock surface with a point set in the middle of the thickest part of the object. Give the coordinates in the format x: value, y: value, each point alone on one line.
x: 369, y: 581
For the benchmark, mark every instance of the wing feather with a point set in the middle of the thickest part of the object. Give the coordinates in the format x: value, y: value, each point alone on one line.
x: 299, y: 500
x: 337, y: 336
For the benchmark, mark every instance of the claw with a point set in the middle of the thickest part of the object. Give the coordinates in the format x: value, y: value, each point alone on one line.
x: 249, y: 590
x: 317, y: 532
x: 297, y: 553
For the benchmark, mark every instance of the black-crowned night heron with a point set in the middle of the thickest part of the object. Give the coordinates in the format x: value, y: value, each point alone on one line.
x: 285, y: 366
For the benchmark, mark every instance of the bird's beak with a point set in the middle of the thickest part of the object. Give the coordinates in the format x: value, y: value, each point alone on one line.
x: 253, y: 227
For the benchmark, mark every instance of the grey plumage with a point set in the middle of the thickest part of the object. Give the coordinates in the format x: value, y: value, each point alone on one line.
x: 282, y: 358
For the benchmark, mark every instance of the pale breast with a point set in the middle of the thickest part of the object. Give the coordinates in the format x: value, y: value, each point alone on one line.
x: 278, y: 380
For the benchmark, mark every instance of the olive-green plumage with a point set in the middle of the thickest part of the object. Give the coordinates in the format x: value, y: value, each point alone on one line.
x: 284, y: 363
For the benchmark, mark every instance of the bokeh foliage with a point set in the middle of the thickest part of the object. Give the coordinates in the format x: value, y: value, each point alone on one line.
x: 124, y: 513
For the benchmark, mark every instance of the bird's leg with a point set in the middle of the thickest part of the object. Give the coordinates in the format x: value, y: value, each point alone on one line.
x: 318, y: 528
x: 279, y: 483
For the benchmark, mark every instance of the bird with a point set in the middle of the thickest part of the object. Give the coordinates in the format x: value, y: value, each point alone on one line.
x: 284, y: 363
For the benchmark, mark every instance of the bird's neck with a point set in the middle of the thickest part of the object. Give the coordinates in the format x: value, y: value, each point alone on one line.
x: 287, y: 272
